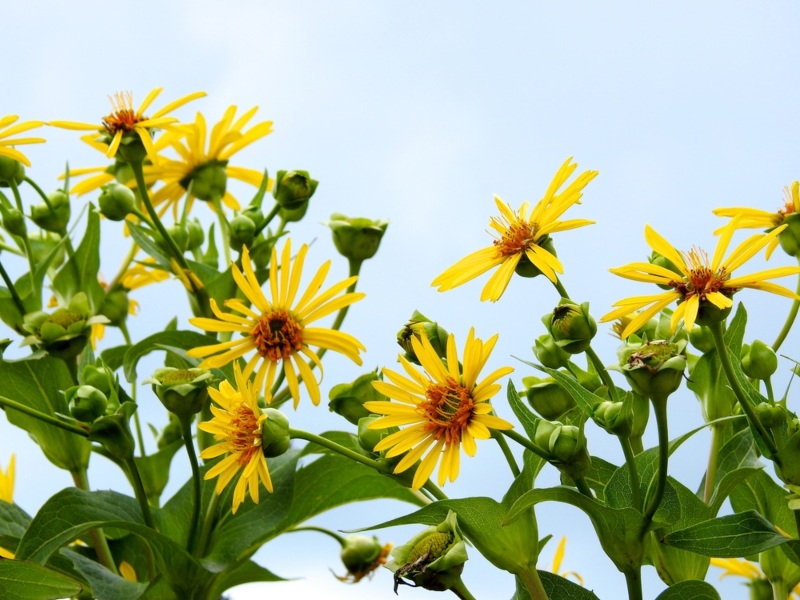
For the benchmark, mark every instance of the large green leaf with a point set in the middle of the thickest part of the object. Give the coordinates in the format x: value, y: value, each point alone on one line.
x: 24, y: 580
x: 79, y: 273
x: 737, y: 462
x: 690, y: 590
x: 247, y: 572
x: 105, y: 584
x: 556, y: 587
x: 162, y: 340
x: 13, y: 523
x: 39, y: 384
x: 522, y: 412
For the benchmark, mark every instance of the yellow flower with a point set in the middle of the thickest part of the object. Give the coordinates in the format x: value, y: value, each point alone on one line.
x: 142, y: 274
x: 124, y: 119
x: 7, y: 495
x: 558, y: 557
x: 744, y: 568
x: 697, y: 280
x: 278, y: 329
x: 226, y: 138
x: 237, y: 426
x: 6, y: 145
x: 523, y: 238
x: 443, y: 407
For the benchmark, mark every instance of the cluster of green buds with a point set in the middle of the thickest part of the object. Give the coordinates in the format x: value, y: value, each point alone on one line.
x: 65, y: 332
x: 701, y: 338
x: 361, y: 556
x: 433, y: 559
x: 653, y: 369
x: 53, y: 214
x: 565, y: 447
x: 183, y: 392
x: 571, y: 326
x: 420, y: 326
x: 357, y: 238
x: 347, y: 399
x: 547, y: 398
x: 98, y: 393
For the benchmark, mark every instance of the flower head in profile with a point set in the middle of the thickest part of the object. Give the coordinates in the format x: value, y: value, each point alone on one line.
x: 522, y: 241
x: 439, y: 410
x: 697, y: 283
x: 237, y: 426
x: 202, y: 164
x: 124, y: 119
x: 7, y: 142
x: 277, y: 329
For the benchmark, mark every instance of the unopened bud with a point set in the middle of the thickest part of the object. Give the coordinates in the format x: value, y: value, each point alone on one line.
x: 571, y: 326
x: 759, y: 361
x: 275, y: 438
x: 293, y: 188
x: 52, y: 215
x: 86, y: 403
x: 356, y: 238
x: 116, y: 201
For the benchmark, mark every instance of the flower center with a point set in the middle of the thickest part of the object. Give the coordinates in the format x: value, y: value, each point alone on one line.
x: 519, y: 236
x: 246, y: 436
x: 702, y: 280
x: 448, y: 409
x: 277, y: 335
x: 123, y: 117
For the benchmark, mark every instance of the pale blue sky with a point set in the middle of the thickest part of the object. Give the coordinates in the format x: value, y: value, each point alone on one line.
x: 419, y: 112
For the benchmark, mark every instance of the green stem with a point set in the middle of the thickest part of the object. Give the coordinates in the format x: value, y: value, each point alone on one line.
x: 525, y: 443
x: 299, y: 434
x: 461, y: 591
x: 787, y: 326
x: 780, y: 591
x: 713, y: 460
x: 208, y: 524
x: 197, y: 498
x: 660, y: 409
x: 81, y: 480
x: 39, y: 191
x: 583, y: 487
x: 727, y: 366
x: 224, y: 228
x: 633, y: 579
x: 50, y: 419
x: 327, y: 532
x: 12, y: 290
x: 123, y: 327
x: 26, y: 242
x: 512, y: 463
x: 434, y: 490
x: 138, y: 490
x: 633, y: 472
x: 770, y: 392
x: 533, y: 585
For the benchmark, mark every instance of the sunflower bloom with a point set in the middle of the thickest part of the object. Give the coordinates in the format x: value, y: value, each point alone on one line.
x: 7, y: 129
x: 200, y: 150
x: 523, y: 238
x: 237, y: 426
x: 755, y: 218
x: 278, y: 329
x: 697, y: 280
x: 124, y: 119
x: 7, y: 495
x: 440, y: 410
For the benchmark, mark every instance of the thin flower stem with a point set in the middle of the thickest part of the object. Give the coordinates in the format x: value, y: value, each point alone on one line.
x: 512, y: 463
x: 583, y: 487
x: 26, y: 241
x: 461, y: 591
x: 787, y: 326
x: 660, y: 409
x: 12, y: 290
x: 780, y: 591
x: 208, y: 524
x: 525, y: 443
x: 533, y: 584
x: 138, y: 490
x: 197, y: 498
x: 770, y: 392
x: 727, y: 366
x: 81, y: 480
x: 224, y: 229
x: 136, y: 421
x: 633, y: 579
x: 327, y: 532
x: 633, y: 472
x: 326, y: 443
x: 434, y: 490
x: 713, y: 460
x: 50, y: 419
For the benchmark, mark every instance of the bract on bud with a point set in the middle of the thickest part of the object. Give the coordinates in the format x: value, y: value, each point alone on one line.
x: 52, y: 215
x: 701, y: 338
x: 208, y: 181
x: 759, y: 360
x: 179, y: 235
x: 525, y: 268
x: 65, y: 332
x: 361, y: 556
x: 789, y: 238
x: 275, y: 438
x: 114, y: 433
x: 196, y: 234
x: 571, y: 326
x: 420, y: 326
x: 356, y: 238
x: 771, y: 415
x: 99, y: 376
x: 661, y: 261
x: 13, y: 220
x: 116, y: 201
x: 293, y: 188
x: 11, y: 170
x: 566, y: 445
x: 547, y: 398
x: 549, y: 353
x: 369, y: 438
x: 243, y: 230
x: 86, y: 403
x: 654, y: 369
x: 347, y: 399
x: 181, y: 391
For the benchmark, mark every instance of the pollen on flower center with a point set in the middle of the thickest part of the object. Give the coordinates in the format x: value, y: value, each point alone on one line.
x: 123, y: 117
x: 246, y: 437
x: 519, y: 236
x: 448, y: 409
x: 277, y: 335
x: 701, y: 279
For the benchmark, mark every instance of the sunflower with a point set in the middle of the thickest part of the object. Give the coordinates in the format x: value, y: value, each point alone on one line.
x: 124, y: 119
x: 524, y: 243
x: 7, y: 130
x: 7, y: 495
x: 696, y: 283
x: 237, y: 426
x: 444, y: 407
x: 278, y: 329
x: 203, y: 158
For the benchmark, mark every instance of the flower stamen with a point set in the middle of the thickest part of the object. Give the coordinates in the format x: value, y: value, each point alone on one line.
x: 277, y: 335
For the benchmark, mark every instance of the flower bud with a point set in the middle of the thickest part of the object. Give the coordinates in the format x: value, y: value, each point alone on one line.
x: 369, y: 438
x: 356, y: 238
x: 275, y: 438
x: 293, y: 188
x: 701, y: 338
x: 525, y: 268
x: 116, y: 201
x: 242, y: 229
x: 131, y: 149
x: 347, y: 399
x: 547, y: 398
x: 654, y: 369
x: 64, y: 333
x: 115, y: 307
x: 181, y: 391
x: 13, y: 220
x: 86, y: 403
x: 571, y: 326
x: 361, y: 555
x: 196, y: 235
x: 709, y: 313
x: 179, y: 235
x: 418, y: 326
x: 114, y: 433
x: 52, y: 215
x: 99, y: 376
x: 566, y: 445
x: 771, y: 415
x: 293, y: 215
x: 208, y: 181
x: 759, y: 361
x: 789, y: 238
x: 662, y: 261
x: 549, y: 353
x: 11, y: 170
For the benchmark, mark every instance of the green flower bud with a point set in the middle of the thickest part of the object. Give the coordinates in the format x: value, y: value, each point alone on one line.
x: 611, y: 417
x: 701, y: 338
x: 759, y: 361
x: 131, y: 149
x: 114, y: 433
x: 654, y: 369
x: 525, y: 268
x: 64, y: 333
x: 789, y: 238
x: 549, y: 353
x: 13, y: 220
x: 566, y: 445
x: 293, y: 188
x: 242, y: 231
x: 115, y: 307
x: 54, y: 216
x: 661, y: 261
x: 86, y: 403
x: 547, y: 397
x: 369, y: 438
x: 356, y: 238
x: 418, y: 326
x: 196, y: 235
x: 361, y: 555
x: 11, y: 170
x: 207, y: 181
x: 347, y: 399
x: 571, y: 326
x: 99, y: 376
x: 708, y: 313
x: 275, y: 438
x: 181, y: 391
x: 771, y: 415
x: 116, y: 201
x: 179, y: 235
x: 293, y: 215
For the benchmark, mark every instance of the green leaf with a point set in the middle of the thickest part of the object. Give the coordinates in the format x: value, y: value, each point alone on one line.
x: 13, y: 523
x: 79, y: 273
x: 184, y: 340
x: 143, y: 237
x: 247, y: 572
x: 154, y: 470
x: 105, y: 584
x: 113, y: 357
x: 737, y: 462
x: 523, y: 413
x: 762, y: 494
x: 586, y: 400
x: 561, y: 588
x: 219, y: 286
x: 29, y: 581
x: 38, y: 383
x: 692, y: 589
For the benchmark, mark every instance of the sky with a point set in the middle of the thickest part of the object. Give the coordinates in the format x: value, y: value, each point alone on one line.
x: 419, y: 113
